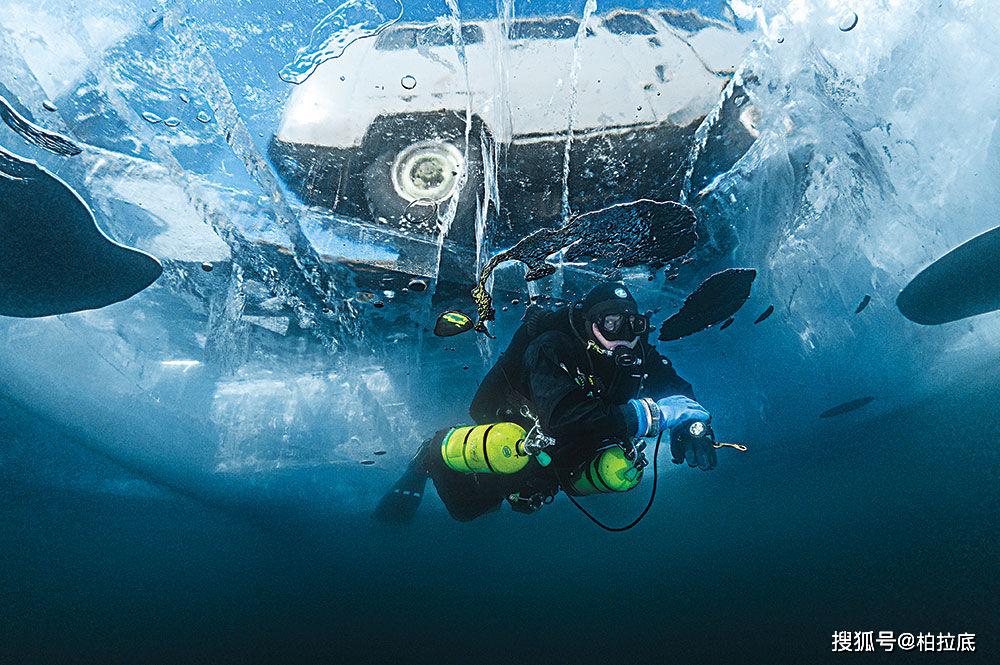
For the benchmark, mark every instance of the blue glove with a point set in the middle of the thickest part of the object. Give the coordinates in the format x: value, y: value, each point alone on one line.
x: 678, y: 410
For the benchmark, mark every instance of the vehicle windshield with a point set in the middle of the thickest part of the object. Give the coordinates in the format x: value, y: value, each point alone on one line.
x: 629, y: 23
x: 396, y: 39
x: 687, y: 21
x: 563, y: 28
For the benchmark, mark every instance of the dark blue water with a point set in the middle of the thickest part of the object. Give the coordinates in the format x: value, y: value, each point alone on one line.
x: 890, y: 525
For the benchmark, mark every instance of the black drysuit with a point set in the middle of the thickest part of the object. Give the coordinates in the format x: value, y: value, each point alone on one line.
x: 578, y: 396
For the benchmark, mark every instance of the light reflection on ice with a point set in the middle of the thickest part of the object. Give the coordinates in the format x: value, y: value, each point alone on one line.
x: 349, y: 22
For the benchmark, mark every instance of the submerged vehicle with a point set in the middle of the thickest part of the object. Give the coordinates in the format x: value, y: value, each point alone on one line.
x: 421, y: 129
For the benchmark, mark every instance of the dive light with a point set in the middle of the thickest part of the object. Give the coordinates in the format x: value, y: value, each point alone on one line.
x: 700, y: 429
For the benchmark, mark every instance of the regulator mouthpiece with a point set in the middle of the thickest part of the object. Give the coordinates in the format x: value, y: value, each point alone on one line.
x: 625, y: 357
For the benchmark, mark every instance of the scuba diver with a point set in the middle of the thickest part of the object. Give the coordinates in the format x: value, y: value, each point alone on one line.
x: 566, y: 406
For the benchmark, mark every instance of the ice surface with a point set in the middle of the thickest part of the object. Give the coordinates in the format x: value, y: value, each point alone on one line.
x: 349, y: 22
x: 871, y: 160
x: 32, y: 133
x: 269, y: 377
x: 634, y: 233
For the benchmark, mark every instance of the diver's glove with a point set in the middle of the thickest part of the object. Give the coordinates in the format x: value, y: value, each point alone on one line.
x: 693, y: 442
x: 691, y: 437
x: 652, y: 418
x: 678, y: 410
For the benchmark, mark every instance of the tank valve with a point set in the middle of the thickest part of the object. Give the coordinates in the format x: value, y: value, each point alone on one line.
x: 536, y: 441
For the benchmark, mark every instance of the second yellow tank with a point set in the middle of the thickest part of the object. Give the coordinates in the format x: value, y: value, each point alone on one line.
x: 608, y: 471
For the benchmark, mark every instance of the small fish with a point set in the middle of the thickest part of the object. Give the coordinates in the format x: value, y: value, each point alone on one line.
x: 766, y: 313
x: 728, y: 322
x: 864, y: 303
x: 367, y: 462
x: 847, y: 407
x: 379, y: 452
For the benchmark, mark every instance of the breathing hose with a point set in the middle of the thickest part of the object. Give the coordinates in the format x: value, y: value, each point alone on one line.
x: 649, y: 504
x: 705, y: 430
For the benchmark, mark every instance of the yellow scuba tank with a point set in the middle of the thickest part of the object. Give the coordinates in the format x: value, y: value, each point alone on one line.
x: 608, y: 471
x: 494, y: 448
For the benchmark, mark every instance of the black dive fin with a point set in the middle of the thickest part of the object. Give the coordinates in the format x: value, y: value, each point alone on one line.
x: 400, y: 504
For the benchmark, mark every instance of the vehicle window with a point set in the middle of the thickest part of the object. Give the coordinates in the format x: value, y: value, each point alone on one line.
x: 396, y: 39
x: 629, y: 23
x: 441, y: 35
x: 687, y: 21
x: 563, y: 28
x: 436, y: 35
x: 472, y: 34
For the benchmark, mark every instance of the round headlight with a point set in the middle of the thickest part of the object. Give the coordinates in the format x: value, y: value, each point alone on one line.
x: 428, y: 171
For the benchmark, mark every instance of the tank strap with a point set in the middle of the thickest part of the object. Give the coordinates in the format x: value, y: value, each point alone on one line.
x: 590, y: 472
x: 465, y: 448
x: 595, y: 464
x: 590, y: 478
x: 486, y: 454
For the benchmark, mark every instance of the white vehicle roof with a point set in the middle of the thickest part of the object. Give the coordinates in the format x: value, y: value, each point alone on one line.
x: 635, y: 68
